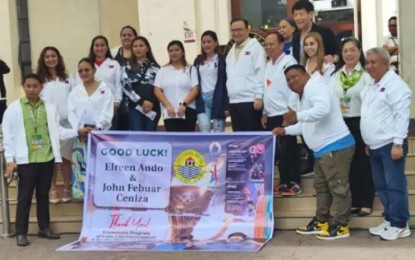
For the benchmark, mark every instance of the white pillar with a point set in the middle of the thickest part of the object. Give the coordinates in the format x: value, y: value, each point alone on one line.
x: 371, y: 11
x: 9, y: 51
x: 213, y: 15
x: 406, y: 28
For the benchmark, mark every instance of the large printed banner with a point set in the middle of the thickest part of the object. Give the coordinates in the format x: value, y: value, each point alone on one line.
x: 169, y: 192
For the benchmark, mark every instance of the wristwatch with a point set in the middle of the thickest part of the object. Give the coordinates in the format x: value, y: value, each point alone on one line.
x: 397, y: 145
x: 183, y: 104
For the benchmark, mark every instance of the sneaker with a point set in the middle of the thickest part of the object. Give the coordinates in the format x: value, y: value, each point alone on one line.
x: 314, y: 227
x: 377, y: 231
x: 394, y: 233
x: 334, y: 232
x: 292, y: 190
x: 280, y: 188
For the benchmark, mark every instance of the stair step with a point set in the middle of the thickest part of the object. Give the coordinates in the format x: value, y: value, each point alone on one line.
x: 60, y: 224
x: 290, y: 220
x: 307, y: 201
x: 69, y: 209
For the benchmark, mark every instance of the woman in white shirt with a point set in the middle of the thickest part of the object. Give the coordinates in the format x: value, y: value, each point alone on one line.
x: 314, y: 56
x: 212, y: 102
x: 107, y: 70
x: 176, y: 87
x: 349, y: 79
x: 56, y: 88
x: 90, y: 105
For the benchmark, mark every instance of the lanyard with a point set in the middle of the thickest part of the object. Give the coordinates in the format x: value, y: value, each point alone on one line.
x: 35, y: 121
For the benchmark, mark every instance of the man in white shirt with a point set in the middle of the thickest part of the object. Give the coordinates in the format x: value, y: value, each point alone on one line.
x: 390, y: 43
x: 277, y: 95
x: 245, y: 65
x: 384, y: 125
x: 321, y: 123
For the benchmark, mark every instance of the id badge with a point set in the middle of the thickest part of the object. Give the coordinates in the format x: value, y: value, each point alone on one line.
x: 36, y: 142
x: 344, y: 104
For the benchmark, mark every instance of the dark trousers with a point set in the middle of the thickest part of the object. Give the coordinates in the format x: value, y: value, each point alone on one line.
x: 3, y: 107
x: 182, y: 125
x: 33, y: 176
x: 286, y: 152
x: 361, y: 183
x: 122, y: 119
x: 139, y: 122
x: 245, y: 118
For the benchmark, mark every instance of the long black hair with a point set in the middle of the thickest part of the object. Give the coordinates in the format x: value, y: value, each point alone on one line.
x: 150, y: 56
x: 91, y: 48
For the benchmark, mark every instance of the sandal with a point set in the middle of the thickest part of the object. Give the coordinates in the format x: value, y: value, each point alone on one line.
x: 67, y: 195
x: 54, y: 197
x: 364, y: 212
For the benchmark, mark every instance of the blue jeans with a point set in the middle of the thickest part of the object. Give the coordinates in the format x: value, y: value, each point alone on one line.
x: 204, y: 120
x: 139, y: 122
x: 390, y: 184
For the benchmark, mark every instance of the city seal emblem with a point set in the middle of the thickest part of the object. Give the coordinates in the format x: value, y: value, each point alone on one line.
x: 189, y: 166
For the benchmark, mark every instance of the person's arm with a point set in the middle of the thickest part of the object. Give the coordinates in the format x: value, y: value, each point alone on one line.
x: 321, y: 106
x: 4, y: 69
x: 259, y: 66
x: 118, y: 86
x: 399, y: 99
x: 104, y: 120
x: 9, y: 134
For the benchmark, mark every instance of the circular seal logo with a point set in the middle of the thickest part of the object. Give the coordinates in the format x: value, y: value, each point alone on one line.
x: 189, y: 166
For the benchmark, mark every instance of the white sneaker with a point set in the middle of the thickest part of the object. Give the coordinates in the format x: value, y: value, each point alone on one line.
x: 394, y: 233
x: 377, y: 231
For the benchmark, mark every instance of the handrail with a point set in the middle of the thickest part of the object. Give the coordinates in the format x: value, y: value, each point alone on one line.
x: 4, y: 194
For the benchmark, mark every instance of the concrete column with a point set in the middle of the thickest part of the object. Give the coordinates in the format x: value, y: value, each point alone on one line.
x: 371, y: 11
x: 406, y: 28
x: 213, y: 15
x: 67, y: 25
x: 115, y: 15
x: 9, y: 50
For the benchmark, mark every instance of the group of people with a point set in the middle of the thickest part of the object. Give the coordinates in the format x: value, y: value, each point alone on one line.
x: 344, y: 106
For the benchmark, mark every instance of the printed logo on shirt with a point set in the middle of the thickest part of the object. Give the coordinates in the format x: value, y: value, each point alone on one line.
x: 247, y: 53
x: 102, y: 92
x: 110, y: 66
x: 67, y: 81
x: 382, y: 90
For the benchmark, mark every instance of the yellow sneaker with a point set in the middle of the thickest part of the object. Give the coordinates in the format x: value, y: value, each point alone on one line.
x: 314, y: 227
x: 334, y: 232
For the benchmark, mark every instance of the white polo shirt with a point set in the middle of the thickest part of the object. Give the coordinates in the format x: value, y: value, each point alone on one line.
x: 176, y: 84
x: 209, y: 74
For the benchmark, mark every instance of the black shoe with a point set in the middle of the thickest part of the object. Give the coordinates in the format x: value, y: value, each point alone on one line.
x: 47, y: 233
x: 21, y: 240
x: 355, y: 212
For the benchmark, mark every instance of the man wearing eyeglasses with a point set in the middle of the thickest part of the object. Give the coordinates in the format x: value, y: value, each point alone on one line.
x: 245, y: 68
x: 391, y: 44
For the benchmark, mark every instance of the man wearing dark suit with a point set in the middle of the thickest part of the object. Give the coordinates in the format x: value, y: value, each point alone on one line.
x: 303, y: 12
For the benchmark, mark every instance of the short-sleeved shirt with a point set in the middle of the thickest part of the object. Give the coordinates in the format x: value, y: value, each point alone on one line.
x: 177, y: 83
x: 209, y: 74
x: 37, y: 132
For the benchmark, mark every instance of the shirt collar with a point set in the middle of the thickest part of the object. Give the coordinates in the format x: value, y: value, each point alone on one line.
x: 358, y: 67
x: 243, y: 44
x: 26, y: 101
